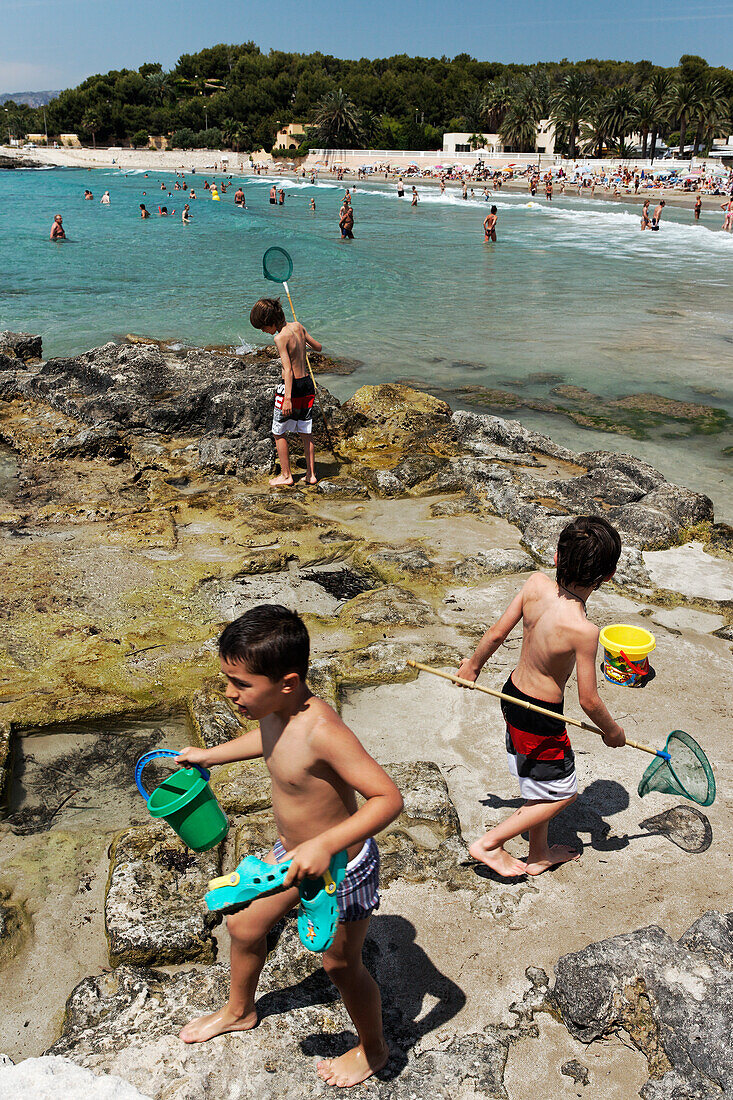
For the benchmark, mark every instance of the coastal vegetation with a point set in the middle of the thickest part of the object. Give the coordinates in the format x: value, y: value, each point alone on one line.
x: 237, y: 96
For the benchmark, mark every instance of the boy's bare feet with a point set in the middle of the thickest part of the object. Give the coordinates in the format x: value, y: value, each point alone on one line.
x: 309, y: 480
x: 353, y: 1067
x: 557, y: 854
x: 497, y: 859
x: 218, y: 1023
x: 281, y: 480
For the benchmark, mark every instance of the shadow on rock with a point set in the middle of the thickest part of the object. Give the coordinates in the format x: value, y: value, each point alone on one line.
x: 406, y: 976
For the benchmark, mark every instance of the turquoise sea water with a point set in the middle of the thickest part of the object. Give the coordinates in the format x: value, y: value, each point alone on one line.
x: 572, y: 289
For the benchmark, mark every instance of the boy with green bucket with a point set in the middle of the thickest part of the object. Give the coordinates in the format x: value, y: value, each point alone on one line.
x: 317, y: 766
x: 556, y: 637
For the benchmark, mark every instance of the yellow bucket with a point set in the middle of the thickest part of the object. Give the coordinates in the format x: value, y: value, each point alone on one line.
x: 626, y: 649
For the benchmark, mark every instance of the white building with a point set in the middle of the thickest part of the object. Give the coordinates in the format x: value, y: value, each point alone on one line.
x: 491, y: 143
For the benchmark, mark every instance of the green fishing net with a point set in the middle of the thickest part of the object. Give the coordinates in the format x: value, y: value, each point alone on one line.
x: 687, y: 772
x: 277, y: 265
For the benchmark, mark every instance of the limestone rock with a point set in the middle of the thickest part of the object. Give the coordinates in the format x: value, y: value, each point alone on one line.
x: 342, y: 487
x: 242, y: 787
x: 399, y: 410
x: 494, y: 563
x: 127, y: 1023
x: 153, y: 910
x: 21, y: 345
x: 392, y: 605
x: 54, y: 1078
x: 576, y: 1071
x: 673, y: 999
x: 412, y: 560
x: 214, y: 720
x: 92, y: 443
x: 482, y: 434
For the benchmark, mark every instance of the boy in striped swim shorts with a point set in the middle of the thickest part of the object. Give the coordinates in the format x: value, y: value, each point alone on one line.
x: 317, y: 767
x: 556, y: 637
x: 295, y: 394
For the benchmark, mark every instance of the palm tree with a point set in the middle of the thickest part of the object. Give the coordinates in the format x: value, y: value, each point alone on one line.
x: 594, y: 130
x: 474, y: 110
x: 337, y: 122
x: 371, y: 125
x: 659, y: 90
x: 685, y: 103
x: 518, y: 130
x: 159, y: 84
x: 570, y: 103
x: 91, y: 121
x: 496, y: 101
x: 621, y: 113
x: 713, y: 112
x: 646, y: 118
x: 234, y: 133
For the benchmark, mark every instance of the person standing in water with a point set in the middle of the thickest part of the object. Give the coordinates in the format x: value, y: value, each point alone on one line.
x: 57, y: 229
x: 415, y: 199
x: 645, y: 219
x: 698, y: 208
x: 400, y: 188
x: 144, y: 212
x: 105, y: 200
x: 658, y: 214
x: 490, y: 224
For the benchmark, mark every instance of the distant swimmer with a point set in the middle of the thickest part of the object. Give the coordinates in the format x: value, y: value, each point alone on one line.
x: 698, y: 208
x: 464, y: 190
x: 400, y: 189
x: 548, y: 190
x: 88, y: 194
x: 490, y: 224
x: 442, y: 186
x: 313, y: 205
x: 645, y: 219
x: 273, y: 195
x: 57, y: 229
x: 163, y: 211
x: 144, y: 212
x: 186, y: 215
x: 105, y: 200
x: 192, y: 194
x: 281, y: 197
x: 239, y: 197
x: 415, y: 199
x: 657, y: 217
x: 214, y: 193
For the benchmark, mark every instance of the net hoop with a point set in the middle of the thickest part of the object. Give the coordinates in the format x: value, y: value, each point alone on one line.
x: 277, y: 265
x: 664, y: 776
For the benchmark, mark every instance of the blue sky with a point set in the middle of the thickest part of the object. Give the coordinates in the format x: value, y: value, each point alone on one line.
x: 56, y: 43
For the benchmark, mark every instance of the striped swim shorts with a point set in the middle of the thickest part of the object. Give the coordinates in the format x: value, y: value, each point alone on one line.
x: 301, y: 418
x: 358, y: 894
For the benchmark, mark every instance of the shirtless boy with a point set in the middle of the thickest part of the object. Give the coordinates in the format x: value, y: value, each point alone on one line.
x: 317, y: 766
x: 490, y: 224
x: 556, y: 638
x: 657, y: 216
x: 295, y: 394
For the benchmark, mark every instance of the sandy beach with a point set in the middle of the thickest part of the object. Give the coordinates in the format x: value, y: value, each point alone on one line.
x: 237, y: 164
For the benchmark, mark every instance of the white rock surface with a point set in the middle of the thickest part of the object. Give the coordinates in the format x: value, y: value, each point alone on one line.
x: 688, y: 569
x: 56, y: 1078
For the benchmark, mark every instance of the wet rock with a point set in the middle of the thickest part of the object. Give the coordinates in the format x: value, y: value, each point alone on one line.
x: 21, y: 345
x: 343, y: 582
x: 92, y: 443
x: 673, y: 999
x: 685, y: 826
x: 393, y: 606
x: 417, y: 468
x: 342, y: 488
x: 494, y: 563
x: 214, y: 719
x: 53, y: 1078
x: 482, y: 434
x: 153, y: 911
x: 576, y: 1071
x: 405, y: 562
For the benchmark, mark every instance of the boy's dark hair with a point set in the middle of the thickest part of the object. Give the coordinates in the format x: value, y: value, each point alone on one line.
x: 266, y: 312
x: 270, y: 640
x: 587, y: 552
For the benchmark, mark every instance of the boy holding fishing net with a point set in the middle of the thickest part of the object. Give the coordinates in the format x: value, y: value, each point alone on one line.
x: 557, y: 637
x: 296, y: 393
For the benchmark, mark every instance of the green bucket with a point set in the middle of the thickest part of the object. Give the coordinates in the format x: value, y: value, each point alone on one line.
x: 185, y: 800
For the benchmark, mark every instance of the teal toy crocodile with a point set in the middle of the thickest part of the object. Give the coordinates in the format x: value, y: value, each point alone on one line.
x: 253, y: 878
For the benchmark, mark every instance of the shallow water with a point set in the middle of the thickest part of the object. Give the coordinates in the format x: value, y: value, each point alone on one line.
x: 81, y: 775
x: 572, y: 289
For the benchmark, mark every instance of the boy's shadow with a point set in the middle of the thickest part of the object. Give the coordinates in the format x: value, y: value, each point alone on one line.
x: 601, y: 798
x: 405, y: 975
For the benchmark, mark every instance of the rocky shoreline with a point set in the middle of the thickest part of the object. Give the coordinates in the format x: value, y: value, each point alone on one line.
x: 135, y: 518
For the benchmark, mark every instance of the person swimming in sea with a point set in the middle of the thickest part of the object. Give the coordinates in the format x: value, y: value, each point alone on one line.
x: 645, y: 219
x: 144, y: 212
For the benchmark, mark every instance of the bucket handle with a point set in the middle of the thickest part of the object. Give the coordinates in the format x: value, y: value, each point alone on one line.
x: 638, y: 670
x: 148, y: 756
